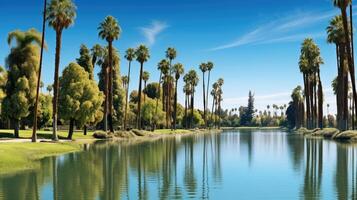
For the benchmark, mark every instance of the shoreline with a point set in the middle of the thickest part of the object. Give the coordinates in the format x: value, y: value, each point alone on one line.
x: 348, y: 136
x: 17, y: 155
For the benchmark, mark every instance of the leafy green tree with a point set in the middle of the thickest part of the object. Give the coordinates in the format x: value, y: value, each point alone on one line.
x: 150, y: 116
x: 248, y: 112
x: 142, y: 55
x: 80, y: 98
x: 129, y: 56
x: 109, y: 30
x: 22, y: 65
x: 60, y: 15
x: 152, y: 90
x: 85, y: 61
x: 178, y: 71
x: 44, y: 112
x: 118, y: 91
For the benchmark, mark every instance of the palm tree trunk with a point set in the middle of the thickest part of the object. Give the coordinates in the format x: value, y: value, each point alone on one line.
x: 144, y: 89
x: 56, y: 83
x: 16, y: 128
x: 186, y: 105
x: 307, y: 98
x: 167, y: 101
x: 175, y: 104
x: 219, y: 111
x: 320, y: 96
x: 349, y: 56
x: 204, y: 100
x: 207, y: 91
x: 157, y: 98
x: 126, y: 98
x: 192, y: 107
x: 353, y: 59
x: 139, y: 96
x: 212, y: 110
x: 70, y: 132
x: 34, y: 126
x: 85, y: 130
x: 110, y: 87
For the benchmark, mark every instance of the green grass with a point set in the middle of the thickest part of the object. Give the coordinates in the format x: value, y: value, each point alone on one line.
x: 23, y: 156
x: 41, y: 134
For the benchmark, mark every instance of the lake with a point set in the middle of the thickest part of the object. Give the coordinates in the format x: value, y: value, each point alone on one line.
x: 231, y: 165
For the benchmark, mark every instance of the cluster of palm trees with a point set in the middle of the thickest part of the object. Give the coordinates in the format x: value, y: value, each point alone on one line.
x: 340, y: 33
x: 61, y: 14
x: 309, y: 63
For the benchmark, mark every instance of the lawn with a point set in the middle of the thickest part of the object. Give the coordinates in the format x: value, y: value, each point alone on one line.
x: 23, y: 156
x: 41, y: 134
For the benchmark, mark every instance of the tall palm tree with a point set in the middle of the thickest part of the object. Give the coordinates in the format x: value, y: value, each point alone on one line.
x: 60, y: 14
x: 34, y: 127
x: 171, y: 54
x: 220, y: 82
x: 142, y: 55
x: 214, y: 99
x: 129, y: 56
x: 203, y: 68
x: 146, y: 76
x: 193, y: 80
x: 109, y: 30
x: 178, y: 71
x: 210, y: 66
x: 164, y: 68
x: 342, y: 5
x: 187, y: 89
x: 335, y: 35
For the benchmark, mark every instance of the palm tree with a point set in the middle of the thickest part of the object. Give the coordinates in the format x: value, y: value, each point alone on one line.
x: 170, y: 55
x: 335, y: 35
x: 97, y: 52
x: 124, y: 80
x: 109, y: 30
x: 220, y: 82
x: 193, y: 80
x: 60, y: 14
x: 203, y: 68
x: 214, y: 93
x: 343, y: 4
x: 129, y: 56
x: 210, y: 66
x: 142, y: 55
x: 146, y: 76
x: 49, y: 88
x: 178, y: 71
x: 164, y: 68
x: 34, y: 127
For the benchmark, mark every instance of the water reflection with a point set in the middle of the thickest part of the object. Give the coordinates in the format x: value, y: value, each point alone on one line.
x: 215, y: 166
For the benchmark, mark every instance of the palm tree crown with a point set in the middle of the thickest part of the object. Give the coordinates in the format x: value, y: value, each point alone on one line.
x: 146, y: 76
x: 130, y: 54
x: 171, y: 53
x: 178, y: 70
x: 109, y: 29
x: 142, y: 54
x: 60, y: 14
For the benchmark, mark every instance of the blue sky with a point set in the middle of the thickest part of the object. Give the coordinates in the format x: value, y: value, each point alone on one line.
x: 254, y: 44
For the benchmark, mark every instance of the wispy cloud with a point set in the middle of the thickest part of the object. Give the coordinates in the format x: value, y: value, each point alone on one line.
x: 153, y: 30
x: 286, y: 29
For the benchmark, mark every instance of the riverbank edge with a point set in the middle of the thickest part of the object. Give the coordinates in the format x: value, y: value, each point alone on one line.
x: 330, y: 133
x: 21, y: 156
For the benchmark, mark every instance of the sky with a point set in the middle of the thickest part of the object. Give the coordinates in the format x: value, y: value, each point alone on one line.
x: 254, y: 45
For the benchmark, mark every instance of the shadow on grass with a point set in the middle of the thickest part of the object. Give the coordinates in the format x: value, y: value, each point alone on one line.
x: 39, y: 136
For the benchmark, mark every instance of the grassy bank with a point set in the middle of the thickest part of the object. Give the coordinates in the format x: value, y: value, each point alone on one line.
x: 23, y: 156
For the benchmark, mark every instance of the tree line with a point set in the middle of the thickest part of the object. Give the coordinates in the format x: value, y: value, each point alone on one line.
x: 76, y: 98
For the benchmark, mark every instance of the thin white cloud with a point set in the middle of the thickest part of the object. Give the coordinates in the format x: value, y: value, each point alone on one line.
x: 288, y: 29
x: 152, y: 31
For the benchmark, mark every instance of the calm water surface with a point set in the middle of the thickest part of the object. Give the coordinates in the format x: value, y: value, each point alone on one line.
x: 232, y: 165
